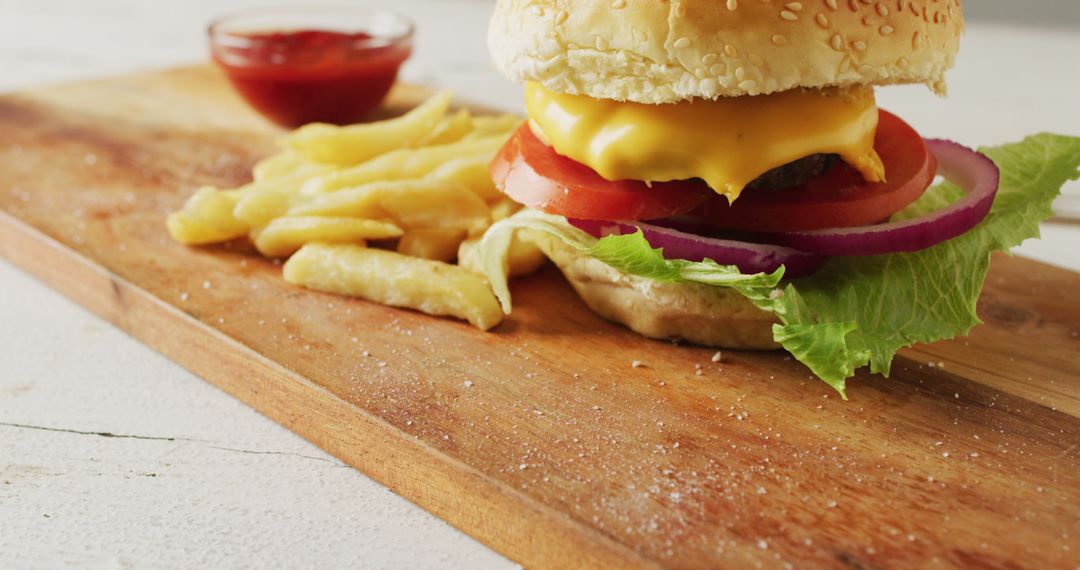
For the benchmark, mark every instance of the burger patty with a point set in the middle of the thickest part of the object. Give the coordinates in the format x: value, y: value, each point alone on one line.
x: 795, y: 173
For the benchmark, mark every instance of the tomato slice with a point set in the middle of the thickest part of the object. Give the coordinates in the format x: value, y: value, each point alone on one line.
x: 839, y: 198
x: 533, y: 174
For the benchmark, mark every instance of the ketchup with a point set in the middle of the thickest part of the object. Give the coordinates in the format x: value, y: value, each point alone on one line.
x: 305, y: 76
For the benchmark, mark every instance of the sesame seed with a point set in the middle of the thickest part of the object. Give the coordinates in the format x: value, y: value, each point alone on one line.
x: 699, y: 73
x: 717, y: 69
x: 837, y: 42
x: 637, y: 364
x: 680, y: 10
x: 886, y: 30
x: 718, y: 357
x: 779, y: 39
x: 754, y: 59
x: 748, y: 85
x: 793, y: 6
x: 732, y: 4
x: 831, y: 4
x: 682, y: 43
x: 709, y: 58
x: 883, y: 9
x: 740, y: 73
x: 788, y: 15
x: 731, y: 51
x: 859, y: 45
x: 822, y: 20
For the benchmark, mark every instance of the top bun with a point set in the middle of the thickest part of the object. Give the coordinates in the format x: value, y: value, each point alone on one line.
x: 665, y: 51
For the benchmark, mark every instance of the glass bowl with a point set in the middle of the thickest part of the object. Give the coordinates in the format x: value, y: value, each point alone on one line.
x: 312, y: 64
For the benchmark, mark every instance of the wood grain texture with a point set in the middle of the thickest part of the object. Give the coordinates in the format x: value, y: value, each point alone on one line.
x: 540, y: 439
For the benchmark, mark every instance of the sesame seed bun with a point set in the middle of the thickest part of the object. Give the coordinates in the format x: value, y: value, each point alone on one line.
x: 665, y: 51
x: 702, y: 314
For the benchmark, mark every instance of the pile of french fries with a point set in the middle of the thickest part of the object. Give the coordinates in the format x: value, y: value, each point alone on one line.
x: 377, y: 210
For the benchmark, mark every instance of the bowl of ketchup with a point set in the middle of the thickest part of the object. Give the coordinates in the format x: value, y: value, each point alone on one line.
x: 307, y: 64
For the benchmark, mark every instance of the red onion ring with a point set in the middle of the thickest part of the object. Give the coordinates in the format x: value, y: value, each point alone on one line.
x: 803, y: 253
x: 750, y: 258
x: 973, y: 172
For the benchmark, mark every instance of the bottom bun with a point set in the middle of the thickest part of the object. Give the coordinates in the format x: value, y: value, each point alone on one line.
x: 702, y: 314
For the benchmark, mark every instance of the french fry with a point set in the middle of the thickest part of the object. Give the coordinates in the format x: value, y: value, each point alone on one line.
x: 207, y: 217
x: 503, y: 208
x: 431, y: 243
x: 451, y: 129
x: 264, y: 200
x: 490, y: 125
x: 421, y: 178
x: 283, y: 236
x: 359, y: 202
x: 523, y: 258
x: 353, y: 144
x: 436, y: 204
x: 403, y: 164
x: 390, y: 278
x: 408, y: 203
x: 471, y: 171
x: 258, y: 206
x: 281, y: 164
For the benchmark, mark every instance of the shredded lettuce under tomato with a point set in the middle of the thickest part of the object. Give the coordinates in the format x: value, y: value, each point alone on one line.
x: 855, y: 311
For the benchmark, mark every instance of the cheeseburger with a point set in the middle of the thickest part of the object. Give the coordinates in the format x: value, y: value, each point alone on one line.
x: 718, y: 171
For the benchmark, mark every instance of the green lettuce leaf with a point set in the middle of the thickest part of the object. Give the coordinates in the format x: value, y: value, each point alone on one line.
x: 630, y: 253
x: 881, y: 304
x: 856, y: 311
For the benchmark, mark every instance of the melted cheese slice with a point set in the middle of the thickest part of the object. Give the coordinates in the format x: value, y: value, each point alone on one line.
x: 727, y: 143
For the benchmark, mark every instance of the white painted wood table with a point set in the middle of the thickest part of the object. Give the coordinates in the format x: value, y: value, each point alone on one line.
x: 112, y: 456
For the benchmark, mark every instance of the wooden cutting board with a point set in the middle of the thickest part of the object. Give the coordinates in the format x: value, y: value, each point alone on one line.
x: 541, y: 439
